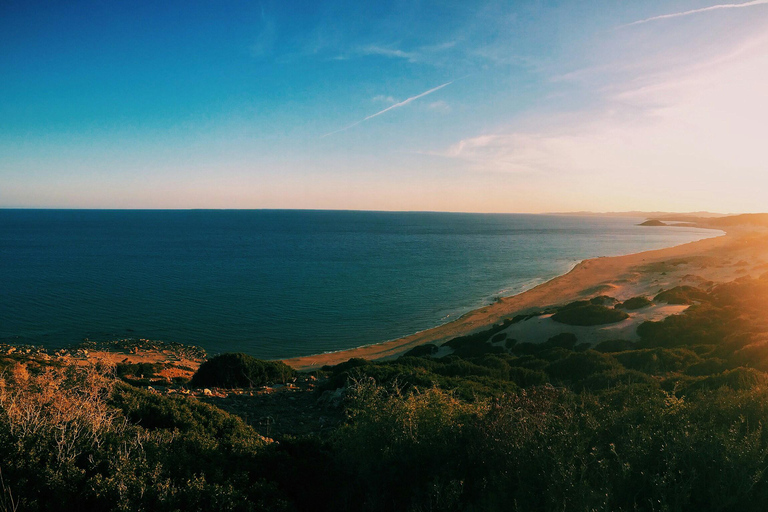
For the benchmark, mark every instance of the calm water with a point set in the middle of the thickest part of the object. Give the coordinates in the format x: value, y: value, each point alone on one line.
x: 280, y: 283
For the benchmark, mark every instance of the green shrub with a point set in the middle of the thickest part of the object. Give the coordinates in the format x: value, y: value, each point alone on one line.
x: 614, y: 346
x: 658, y: 361
x: 681, y: 295
x: 353, y: 362
x: 738, y: 379
x: 554, y: 354
x: 638, y: 302
x: 141, y: 370
x: 493, y: 362
x: 565, y: 340
x: 526, y: 348
x: 530, y: 361
x: 616, y: 377
x: 603, y: 300
x: 239, y: 371
x: 478, y: 343
x: 588, y: 314
x: 461, y: 368
x: 576, y: 304
x: 702, y: 324
x: 402, y: 452
x: 706, y: 367
x: 580, y: 365
x: 524, y: 377
x: 425, y: 350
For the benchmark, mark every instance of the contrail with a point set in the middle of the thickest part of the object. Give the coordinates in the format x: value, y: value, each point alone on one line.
x: 695, y: 11
x: 396, y: 105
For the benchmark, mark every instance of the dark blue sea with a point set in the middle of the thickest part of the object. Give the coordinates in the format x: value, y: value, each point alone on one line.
x: 275, y: 283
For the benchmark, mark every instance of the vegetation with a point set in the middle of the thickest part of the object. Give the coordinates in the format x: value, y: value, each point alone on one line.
x: 240, y: 371
x: 674, y: 421
x: 635, y: 303
x: 603, y: 300
x: 427, y: 349
x: 586, y: 313
x: 681, y: 295
x: 73, y: 439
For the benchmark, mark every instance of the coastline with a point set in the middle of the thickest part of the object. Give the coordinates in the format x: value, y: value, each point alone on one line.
x: 738, y: 252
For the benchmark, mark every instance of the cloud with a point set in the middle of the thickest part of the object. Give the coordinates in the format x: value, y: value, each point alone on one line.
x: 518, y: 152
x: 439, y: 106
x: 696, y: 11
x: 427, y: 54
x: 264, y: 43
x: 384, y: 99
x: 396, y: 105
x: 702, y: 128
x: 389, y: 52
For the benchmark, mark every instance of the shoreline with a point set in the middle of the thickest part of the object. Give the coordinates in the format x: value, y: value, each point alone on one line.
x: 376, y: 343
x: 706, y: 260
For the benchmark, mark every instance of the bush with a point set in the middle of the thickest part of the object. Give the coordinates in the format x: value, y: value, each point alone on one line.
x: 402, y: 452
x: 422, y: 351
x: 524, y: 377
x: 580, y: 365
x: 479, y: 343
x: 565, y: 340
x: 738, y: 379
x: 240, y: 371
x: 70, y: 442
x: 617, y: 377
x: 707, y: 367
x: 702, y: 324
x: 658, y: 361
x: 614, y: 346
x: 140, y: 370
x: 681, y: 295
x: 638, y: 302
x: 353, y: 362
x: 530, y: 361
x: 577, y: 304
x: 588, y: 314
x: 603, y: 300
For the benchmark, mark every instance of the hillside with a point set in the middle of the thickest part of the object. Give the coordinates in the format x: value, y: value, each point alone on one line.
x: 671, y: 420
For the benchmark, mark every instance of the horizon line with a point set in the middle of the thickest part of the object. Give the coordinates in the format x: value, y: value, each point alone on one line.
x: 564, y: 213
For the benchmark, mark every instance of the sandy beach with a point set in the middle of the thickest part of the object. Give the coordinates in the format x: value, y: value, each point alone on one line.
x: 741, y: 251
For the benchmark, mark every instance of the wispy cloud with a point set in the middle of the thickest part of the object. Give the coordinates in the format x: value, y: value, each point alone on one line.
x: 696, y: 11
x: 265, y: 41
x: 682, y: 128
x: 427, y: 54
x: 389, y: 52
x: 396, y: 105
x: 439, y: 106
x: 384, y: 99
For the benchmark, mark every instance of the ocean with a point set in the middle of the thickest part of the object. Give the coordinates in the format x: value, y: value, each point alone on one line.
x: 281, y: 283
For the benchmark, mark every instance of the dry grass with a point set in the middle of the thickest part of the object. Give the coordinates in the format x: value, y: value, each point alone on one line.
x: 67, y: 405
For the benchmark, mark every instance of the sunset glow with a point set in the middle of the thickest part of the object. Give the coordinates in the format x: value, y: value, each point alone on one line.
x: 480, y: 106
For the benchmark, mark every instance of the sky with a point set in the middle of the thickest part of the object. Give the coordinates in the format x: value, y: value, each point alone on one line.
x: 478, y: 106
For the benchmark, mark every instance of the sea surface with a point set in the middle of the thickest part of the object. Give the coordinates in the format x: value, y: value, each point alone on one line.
x: 281, y: 283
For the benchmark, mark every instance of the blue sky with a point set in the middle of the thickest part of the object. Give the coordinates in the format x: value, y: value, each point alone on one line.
x: 452, y: 106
